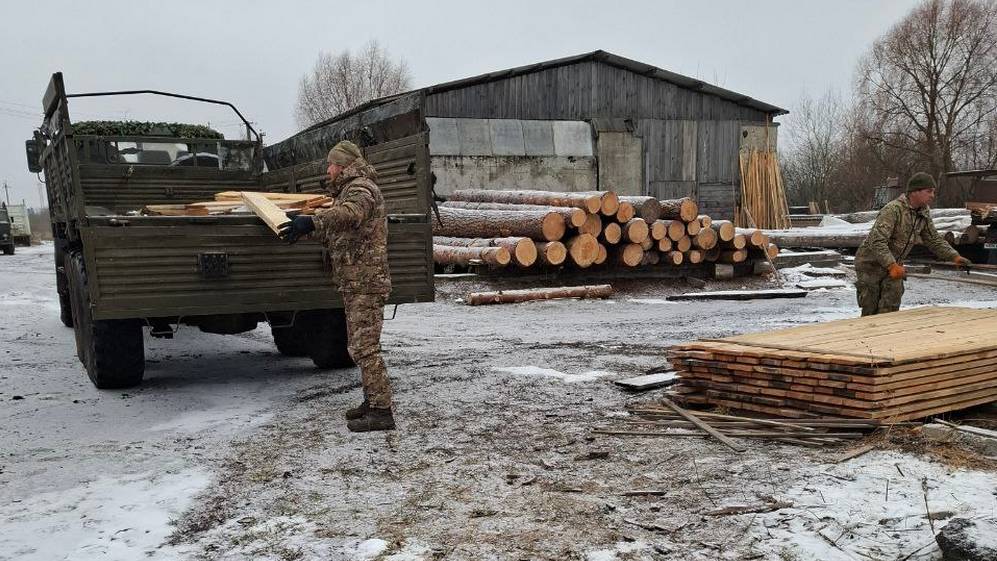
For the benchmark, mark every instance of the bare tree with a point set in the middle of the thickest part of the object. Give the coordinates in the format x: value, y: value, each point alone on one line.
x: 815, y: 140
x: 341, y: 81
x: 928, y: 87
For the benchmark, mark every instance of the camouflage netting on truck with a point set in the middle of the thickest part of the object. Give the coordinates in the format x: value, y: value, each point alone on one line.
x: 145, y: 128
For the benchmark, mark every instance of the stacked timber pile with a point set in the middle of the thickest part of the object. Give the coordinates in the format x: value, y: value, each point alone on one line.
x: 850, y: 230
x: 550, y: 229
x: 900, y: 366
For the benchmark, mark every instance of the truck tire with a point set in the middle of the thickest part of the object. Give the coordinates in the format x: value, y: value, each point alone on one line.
x: 292, y: 340
x: 327, y: 341
x: 111, y: 350
x: 62, y: 284
x: 8, y: 249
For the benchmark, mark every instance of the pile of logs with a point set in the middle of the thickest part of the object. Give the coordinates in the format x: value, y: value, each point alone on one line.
x: 550, y: 229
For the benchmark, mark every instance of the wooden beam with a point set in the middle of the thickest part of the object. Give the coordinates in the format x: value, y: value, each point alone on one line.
x: 268, y: 212
x: 702, y: 425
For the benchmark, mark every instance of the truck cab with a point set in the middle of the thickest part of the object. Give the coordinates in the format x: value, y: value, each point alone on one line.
x: 6, y: 231
x: 122, y: 275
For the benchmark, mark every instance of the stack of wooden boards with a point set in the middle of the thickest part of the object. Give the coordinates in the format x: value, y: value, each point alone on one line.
x: 899, y: 366
x: 549, y: 229
x: 956, y: 225
x: 234, y: 202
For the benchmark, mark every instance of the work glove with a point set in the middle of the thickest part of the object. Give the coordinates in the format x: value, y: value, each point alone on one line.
x: 301, y: 225
x: 897, y: 271
x: 961, y: 261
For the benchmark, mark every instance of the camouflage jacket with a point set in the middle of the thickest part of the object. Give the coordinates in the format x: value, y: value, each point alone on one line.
x: 896, y: 230
x: 355, y: 231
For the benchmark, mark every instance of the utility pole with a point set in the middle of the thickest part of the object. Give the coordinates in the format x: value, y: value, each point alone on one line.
x: 6, y: 189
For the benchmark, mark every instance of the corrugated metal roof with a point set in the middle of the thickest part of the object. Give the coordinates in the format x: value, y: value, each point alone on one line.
x: 620, y: 62
x: 597, y: 56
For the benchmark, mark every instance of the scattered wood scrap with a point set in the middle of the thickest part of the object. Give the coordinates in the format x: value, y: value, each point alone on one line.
x: 741, y: 294
x: 517, y: 296
x: 231, y: 202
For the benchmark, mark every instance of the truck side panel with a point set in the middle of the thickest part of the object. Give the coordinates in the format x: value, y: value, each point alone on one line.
x: 146, y: 270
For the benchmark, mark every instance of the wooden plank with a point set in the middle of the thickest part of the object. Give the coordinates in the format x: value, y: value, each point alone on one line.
x: 702, y: 425
x: 648, y: 381
x: 741, y: 294
x: 270, y: 213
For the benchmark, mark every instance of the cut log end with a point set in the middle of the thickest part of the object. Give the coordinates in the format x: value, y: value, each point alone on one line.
x: 724, y: 229
x: 630, y: 255
x: 664, y: 245
x: 609, y: 203
x: 592, y: 226
x: 694, y: 256
x: 693, y: 228
x: 553, y: 227
x: 583, y: 249
x: 625, y: 212
x: 551, y: 253
x: 675, y: 257
x: 603, y: 255
x: 612, y: 233
x: 683, y: 244
x: 636, y: 230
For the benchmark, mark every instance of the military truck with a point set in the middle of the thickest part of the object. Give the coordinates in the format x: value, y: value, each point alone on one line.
x: 6, y: 231
x: 20, y: 224
x: 121, y: 274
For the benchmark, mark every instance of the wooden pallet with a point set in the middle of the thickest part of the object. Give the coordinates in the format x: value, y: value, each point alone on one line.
x: 900, y: 366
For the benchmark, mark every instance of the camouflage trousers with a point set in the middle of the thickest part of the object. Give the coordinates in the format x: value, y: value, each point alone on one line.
x: 877, y: 292
x: 364, y: 318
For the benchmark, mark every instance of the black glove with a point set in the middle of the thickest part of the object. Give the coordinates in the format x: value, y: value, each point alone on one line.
x: 301, y: 225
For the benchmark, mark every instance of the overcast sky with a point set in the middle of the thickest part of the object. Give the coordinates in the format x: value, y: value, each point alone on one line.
x: 254, y: 53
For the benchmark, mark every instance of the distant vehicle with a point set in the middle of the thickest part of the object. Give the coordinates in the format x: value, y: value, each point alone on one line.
x: 6, y: 235
x: 118, y: 271
x: 20, y: 226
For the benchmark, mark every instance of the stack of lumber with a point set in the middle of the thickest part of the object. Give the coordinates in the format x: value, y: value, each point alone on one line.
x: 983, y: 213
x: 900, y: 366
x: 582, y: 230
x: 850, y: 230
x: 763, y: 197
x: 232, y: 202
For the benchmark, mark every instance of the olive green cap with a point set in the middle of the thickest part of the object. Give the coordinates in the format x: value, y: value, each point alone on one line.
x: 920, y: 180
x: 343, y: 153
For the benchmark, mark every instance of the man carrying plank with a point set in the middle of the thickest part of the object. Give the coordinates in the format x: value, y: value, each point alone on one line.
x: 355, y: 232
x: 903, y: 222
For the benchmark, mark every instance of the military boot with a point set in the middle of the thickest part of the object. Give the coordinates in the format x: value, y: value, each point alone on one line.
x: 357, y: 412
x: 374, y: 419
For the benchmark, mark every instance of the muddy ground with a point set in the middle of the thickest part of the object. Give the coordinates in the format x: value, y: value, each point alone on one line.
x: 231, y: 451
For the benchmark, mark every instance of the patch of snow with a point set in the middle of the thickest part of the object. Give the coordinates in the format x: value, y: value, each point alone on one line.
x: 369, y: 549
x: 202, y: 420
x: 874, y: 507
x: 413, y: 551
x: 587, y: 376
x: 620, y: 547
x: 650, y: 301
x: 821, y: 283
x: 110, y: 518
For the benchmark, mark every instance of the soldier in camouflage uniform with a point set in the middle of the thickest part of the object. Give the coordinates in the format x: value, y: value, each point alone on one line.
x: 355, y: 232
x: 902, y: 223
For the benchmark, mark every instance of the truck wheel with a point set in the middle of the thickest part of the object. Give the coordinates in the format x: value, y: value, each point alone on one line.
x: 110, y: 349
x: 8, y: 249
x: 291, y: 341
x: 327, y: 341
x: 62, y: 284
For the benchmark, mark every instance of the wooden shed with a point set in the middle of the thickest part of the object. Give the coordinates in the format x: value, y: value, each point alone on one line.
x: 649, y: 131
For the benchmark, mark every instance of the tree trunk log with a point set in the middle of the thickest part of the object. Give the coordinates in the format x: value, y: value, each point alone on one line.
x: 733, y: 256
x: 738, y: 242
x: 609, y: 203
x: 583, y: 249
x: 772, y: 251
x: 629, y: 255
x: 593, y: 225
x: 612, y: 233
x: 692, y: 228
x: 590, y: 201
x: 647, y: 244
x: 870, y: 215
x: 705, y: 221
x: 754, y: 237
x: 724, y: 229
x: 674, y: 257
x: 523, y: 250
x: 551, y: 253
x: 464, y: 223
x: 705, y: 239
x: 684, y: 209
x: 603, y: 255
x: 650, y: 258
x: 625, y: 213
x: 665, y: 245
x: 451, y: 255
x: 712, y: 254
x: 815, y: 237
x: 635, y: 231
x: 658, y: 230
x: 516, y: 296
x: 694, y: 256
x: 675, y: 228
x: 647, y: 208
x: 574, y: 217
x: 683, y: 244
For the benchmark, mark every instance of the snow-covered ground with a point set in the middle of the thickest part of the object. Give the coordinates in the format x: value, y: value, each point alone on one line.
x: 230, y: 451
